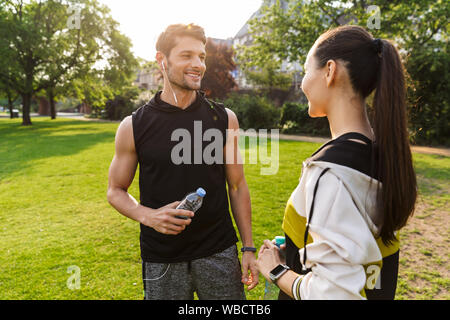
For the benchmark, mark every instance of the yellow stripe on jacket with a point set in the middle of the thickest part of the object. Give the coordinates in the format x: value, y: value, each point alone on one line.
x: 294, y: 225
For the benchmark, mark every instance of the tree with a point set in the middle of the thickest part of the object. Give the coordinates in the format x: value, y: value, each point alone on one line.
x: 90, y: 88
x: 95, y: 86
x: 7, y: 90
x: 8, y: 69
x: 270, y: 80
x: 27, y: 30
x: 419, y: 28
x: 49, y: 48
x: 269, y: 76
x: 218, y: 80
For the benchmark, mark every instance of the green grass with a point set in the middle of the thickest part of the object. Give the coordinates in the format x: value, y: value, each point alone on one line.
x: 54, y: 213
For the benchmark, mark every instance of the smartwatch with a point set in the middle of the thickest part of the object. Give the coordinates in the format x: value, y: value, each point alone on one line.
x: 277, y: 272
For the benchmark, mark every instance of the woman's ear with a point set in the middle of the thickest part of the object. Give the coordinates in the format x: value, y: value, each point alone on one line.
x: 331, y: 72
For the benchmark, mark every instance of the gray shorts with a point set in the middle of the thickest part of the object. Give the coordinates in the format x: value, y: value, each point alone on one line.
x: 217, y: 277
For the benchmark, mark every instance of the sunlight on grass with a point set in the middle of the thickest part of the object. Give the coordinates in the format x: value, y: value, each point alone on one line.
x: 54, y: 212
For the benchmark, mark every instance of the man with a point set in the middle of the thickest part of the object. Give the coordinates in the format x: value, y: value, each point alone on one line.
x: 198, y: 253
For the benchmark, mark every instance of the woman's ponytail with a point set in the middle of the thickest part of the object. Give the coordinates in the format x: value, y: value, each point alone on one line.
x: 375, y: 65
x: 398, y: 194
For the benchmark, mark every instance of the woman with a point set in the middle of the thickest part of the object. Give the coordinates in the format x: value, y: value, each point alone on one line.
x: 357, y: 190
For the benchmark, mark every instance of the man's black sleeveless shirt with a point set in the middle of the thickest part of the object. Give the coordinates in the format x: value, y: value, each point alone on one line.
x: 162, y: 182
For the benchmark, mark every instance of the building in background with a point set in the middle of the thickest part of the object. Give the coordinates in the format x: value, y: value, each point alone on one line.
x: 149, y: 78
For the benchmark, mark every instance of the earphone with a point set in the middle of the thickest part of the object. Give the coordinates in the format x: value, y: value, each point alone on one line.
x: 173, y: 92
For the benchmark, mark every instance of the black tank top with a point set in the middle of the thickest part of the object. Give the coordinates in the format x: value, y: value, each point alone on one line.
x: 162, y: 181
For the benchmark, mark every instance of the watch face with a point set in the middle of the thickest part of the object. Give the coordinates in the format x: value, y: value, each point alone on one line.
x: 277, y: 270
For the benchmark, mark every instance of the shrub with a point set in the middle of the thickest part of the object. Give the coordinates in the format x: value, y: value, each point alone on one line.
x: 253, y: 111
x: 121, y: 105
x: 295, y: 119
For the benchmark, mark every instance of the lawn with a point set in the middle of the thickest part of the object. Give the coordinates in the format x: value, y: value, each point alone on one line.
x: 54, y: 215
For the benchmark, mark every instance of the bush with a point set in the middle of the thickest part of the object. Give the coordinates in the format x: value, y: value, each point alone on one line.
x: 295, y: 119
x: 253, y: 112
x: 122, y: 105
x: 429, y: 97
x: 292, y: 112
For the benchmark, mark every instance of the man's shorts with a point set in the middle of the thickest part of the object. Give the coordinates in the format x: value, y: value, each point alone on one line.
x: 217, y: 277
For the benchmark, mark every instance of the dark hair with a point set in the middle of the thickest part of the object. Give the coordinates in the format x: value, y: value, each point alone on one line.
x: 168, y: 39
x: 374, y: 64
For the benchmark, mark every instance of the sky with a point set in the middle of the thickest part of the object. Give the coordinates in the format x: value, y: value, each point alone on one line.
x: 143, y: 20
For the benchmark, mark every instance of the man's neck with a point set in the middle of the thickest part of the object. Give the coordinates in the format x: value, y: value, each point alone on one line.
x: 184, y: 98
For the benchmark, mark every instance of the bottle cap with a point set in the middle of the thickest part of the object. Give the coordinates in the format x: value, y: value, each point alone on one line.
x: 279, y: 240
x: 201, y: 192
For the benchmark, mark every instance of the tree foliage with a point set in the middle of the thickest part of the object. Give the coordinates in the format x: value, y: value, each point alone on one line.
x: 419, y: 28
x: 218, y: 81
x: 268, y: 76
x: 48, y: 45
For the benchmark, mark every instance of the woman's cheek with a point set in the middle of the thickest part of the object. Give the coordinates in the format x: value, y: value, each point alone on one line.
x: 307, y: 90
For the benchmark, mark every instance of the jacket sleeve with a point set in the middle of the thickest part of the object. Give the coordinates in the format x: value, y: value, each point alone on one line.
x: 342, y: 244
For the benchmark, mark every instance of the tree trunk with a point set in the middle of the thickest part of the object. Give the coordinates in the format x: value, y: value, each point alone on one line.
x: 26, y: 101
x: 10, y: 104
x: 51, y: 100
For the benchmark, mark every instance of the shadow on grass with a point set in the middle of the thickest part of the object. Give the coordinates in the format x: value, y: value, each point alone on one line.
x: 21, y: 146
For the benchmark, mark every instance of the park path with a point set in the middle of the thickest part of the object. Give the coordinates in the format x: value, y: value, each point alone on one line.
x: 418, y: 149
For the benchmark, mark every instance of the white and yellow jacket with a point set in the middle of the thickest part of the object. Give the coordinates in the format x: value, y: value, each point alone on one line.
x: 344, y: 254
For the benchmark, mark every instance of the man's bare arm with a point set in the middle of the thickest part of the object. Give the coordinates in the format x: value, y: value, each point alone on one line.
x: 121, y: 175
x: 239, y: 198
x: 237, y: 185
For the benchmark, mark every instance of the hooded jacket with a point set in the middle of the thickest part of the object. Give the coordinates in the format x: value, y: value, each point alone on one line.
x: 344, y: 253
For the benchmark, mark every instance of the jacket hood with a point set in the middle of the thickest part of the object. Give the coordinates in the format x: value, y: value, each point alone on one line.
x: 157, y: 103
x: 362, y: 188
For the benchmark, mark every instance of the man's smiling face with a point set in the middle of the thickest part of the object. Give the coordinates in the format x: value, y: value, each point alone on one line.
x: 186, y: 63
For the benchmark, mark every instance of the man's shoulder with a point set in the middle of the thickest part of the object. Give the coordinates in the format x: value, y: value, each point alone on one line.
x: 139, y: 111
x: 128, y: 119
x: 219, y: 105
x: 214, y: 103
x: 125, y: 135
x: 126, y: 125
x: 227, y: 112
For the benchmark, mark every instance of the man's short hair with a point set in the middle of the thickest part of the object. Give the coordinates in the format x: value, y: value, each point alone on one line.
x: 168, y: 39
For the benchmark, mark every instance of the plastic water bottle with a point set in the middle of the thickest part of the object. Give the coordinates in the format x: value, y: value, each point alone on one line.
x: 192, y: 202
x: 271, y: 290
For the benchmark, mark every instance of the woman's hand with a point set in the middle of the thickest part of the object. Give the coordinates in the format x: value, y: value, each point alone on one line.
x: 268, y: 258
